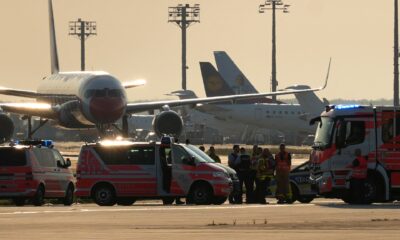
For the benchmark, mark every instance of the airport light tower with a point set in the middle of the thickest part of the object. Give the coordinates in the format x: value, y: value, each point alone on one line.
x: 184, y: 16
x: 273, y: 5
x: 396, y: 54
x: 83, y: 30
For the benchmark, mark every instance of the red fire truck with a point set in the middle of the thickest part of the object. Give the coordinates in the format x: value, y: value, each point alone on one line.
x: 341, y: 130
x: 122, y: 171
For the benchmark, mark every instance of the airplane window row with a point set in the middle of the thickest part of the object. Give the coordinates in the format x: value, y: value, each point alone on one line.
x: 283, y: 112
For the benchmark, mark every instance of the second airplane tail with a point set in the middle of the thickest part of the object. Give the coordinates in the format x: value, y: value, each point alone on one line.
x: 309, y: 101
x: 214, y: 84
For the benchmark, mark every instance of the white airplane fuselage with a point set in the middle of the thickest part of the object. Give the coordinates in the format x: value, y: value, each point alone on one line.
x: 282, y: 117
x: 84, y: 98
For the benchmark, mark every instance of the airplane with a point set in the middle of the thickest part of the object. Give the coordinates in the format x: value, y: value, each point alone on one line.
x: 282, y: 117
x: 95, y: 99
x: 236, y: 80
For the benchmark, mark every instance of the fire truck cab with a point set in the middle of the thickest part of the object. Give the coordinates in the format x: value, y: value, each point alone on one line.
x: 123, y: 171
x: 341, y: 130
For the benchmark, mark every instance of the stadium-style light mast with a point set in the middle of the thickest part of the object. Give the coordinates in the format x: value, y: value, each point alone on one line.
x: 396, y: 54
x: 83, y: 30
x: 273, y: 5
x: 183, y: 16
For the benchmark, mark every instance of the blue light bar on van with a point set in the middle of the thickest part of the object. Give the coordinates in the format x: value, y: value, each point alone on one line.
x: 44, y: 143
x: 351, y: 106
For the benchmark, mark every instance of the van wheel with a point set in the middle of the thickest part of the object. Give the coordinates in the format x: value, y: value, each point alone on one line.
x: 19, y: 201
x: 305, y: 200
x: 219, y: 200
x: 168, y: 200
x: 201, y: 194
x: 38, y: 199
x: 69, y: 196
x: 126, y: 201
x: 104, y: 195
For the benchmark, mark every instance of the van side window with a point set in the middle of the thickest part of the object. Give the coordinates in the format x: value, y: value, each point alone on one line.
x: 179, y: 154
x: 58, y: 157
x: 12, y: 157
x: 141, y: 155
x: 44, y: 157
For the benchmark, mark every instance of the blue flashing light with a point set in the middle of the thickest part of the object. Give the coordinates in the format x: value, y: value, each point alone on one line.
x: 351, y: 106
x: 43, y: 143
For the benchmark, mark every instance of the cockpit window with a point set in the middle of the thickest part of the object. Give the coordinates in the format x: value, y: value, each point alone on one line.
x: 103, y: 93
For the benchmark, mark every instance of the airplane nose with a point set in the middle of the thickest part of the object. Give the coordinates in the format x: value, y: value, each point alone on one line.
x: 106, y: 110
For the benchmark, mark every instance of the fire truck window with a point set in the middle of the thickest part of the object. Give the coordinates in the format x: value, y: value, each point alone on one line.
x: 12, y: 157
x: 141, y: 155
x: 387, y: 130
x: 355, y: 132
x: 44, y: 157
x: 180, y: 155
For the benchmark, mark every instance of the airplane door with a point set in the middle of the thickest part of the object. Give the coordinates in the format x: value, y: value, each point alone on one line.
x: 181, y: 171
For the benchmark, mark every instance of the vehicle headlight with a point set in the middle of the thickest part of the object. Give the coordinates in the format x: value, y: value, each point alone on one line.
x: 220, y: 174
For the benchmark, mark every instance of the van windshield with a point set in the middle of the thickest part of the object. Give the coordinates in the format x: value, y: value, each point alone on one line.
x: 201, y: 154
x: 12, y: 157
x: 323, y: 135
x: 192, y: 150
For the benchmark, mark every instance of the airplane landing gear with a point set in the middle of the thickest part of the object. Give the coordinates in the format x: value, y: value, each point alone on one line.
x: 31, y: 131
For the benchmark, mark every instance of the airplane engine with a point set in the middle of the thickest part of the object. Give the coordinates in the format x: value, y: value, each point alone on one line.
x: 69, y: 116
x: 168, y: 123
x: 6, y: 128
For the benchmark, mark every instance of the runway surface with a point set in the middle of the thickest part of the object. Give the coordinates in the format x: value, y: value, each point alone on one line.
x: 151, y: 220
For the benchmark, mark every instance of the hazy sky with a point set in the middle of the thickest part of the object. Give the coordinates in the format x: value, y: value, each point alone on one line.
x: 135, y: 41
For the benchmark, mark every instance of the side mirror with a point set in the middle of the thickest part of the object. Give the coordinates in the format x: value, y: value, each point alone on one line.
x: 67, y: 163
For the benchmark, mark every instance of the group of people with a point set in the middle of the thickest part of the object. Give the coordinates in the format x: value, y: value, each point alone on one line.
x: 256, y: 171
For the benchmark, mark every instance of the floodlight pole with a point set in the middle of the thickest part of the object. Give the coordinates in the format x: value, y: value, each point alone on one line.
x: 83, y: 30
x: 396, y: 54
x: 273, y: 5
x: 183, y: 16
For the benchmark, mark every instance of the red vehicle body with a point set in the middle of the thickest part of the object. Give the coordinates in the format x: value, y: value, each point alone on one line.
x: 123, y: 171
x: 342, y: 130
x: 35, y: 173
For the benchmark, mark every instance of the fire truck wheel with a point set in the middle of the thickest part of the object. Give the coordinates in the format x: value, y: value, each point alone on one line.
x: 68, y: 200
x: 104, y: 195
x: 38, y: 199
x: 19, y: 201
x: 371, y: 191
x: 219, y: 200
x: 201, y: 194
x: 126, y: 201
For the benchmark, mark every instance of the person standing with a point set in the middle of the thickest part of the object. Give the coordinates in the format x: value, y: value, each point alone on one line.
x: 233, y: 162
x: 283, y: 164
x: 265, y: 172
x: 358, y: 178
x: 244, y: 174
x: 213, y: 155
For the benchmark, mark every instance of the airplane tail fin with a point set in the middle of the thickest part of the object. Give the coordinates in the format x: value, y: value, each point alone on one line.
x: 309, y: 101
x: 53, y: 43
x: 214, y: 84
x: 232, y: 74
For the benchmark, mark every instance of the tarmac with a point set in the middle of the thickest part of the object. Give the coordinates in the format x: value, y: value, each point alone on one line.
x: 330, y: 219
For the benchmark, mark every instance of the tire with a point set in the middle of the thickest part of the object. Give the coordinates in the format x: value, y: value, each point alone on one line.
x: 305, y: 200
x: 68, y: 200
x: 201, y: 194
x: 38, y: 199
x: 126, y: 201
x: 370, y: 191
x: 219, y: 200
x: 168, y: 200
x: 19, y: 201
x: 104, y: 195
x: 295, y: 194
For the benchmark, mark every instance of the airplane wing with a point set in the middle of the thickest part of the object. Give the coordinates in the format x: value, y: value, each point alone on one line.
x: 135, y: 83
x: 18, y: 93
x: 42, y: 110
x: 146, y: 106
